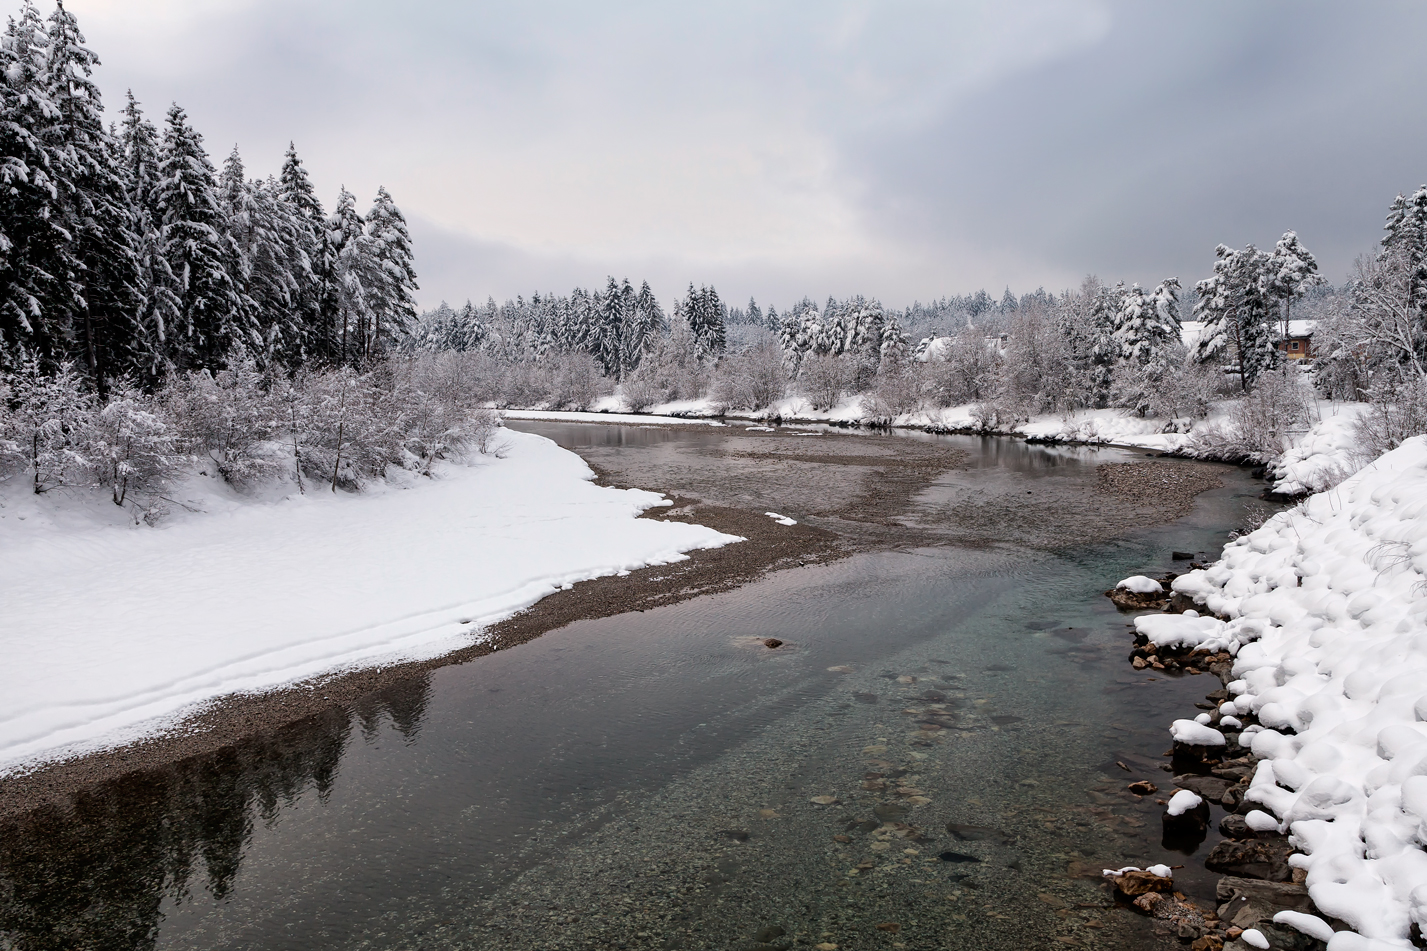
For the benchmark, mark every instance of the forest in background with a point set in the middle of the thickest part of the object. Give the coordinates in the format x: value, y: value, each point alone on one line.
x: 156, y: 311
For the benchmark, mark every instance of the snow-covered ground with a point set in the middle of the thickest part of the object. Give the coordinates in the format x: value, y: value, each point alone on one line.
x: 1328, y: 622
x: 109, y: 631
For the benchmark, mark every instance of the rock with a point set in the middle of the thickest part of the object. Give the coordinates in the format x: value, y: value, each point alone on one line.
x: 1210, y: 942
x: 772, y: 642
x: 1261, y: 899
x: 890, y: 810
x: 1143, y: 787
x: 1131, y: 884
x: 1266, y: 859
x: 770, y: 933
x: 1127, y: 600
x: 824, y: 800
x: 1210, y: 787
x: 957, y: 857
x: 978, y: 834
x: 891, y: 927
x: 1138, y: 663
x: 1182, y: 555
x: 1236, y: 827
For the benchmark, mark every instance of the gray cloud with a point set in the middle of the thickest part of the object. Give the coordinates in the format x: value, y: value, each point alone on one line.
x: 904, y: 149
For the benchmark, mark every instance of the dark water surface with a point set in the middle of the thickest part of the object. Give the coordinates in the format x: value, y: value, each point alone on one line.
x: 646, y: 780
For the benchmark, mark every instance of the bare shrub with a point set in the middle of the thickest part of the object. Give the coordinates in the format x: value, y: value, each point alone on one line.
x: 48, y: 418
x: 823, y: 379
x: 1258, y: 427
x: 1396, y: 412
x: 752, y: 378
x: 968, y: 372
x: 897, y: 389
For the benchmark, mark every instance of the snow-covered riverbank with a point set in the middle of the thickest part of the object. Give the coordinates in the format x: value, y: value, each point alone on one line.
x: 109, y: 631
x: 1327, y: 609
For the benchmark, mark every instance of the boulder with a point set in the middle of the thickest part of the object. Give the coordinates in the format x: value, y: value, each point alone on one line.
x: 1210, y: 787
x: 1265, y: 859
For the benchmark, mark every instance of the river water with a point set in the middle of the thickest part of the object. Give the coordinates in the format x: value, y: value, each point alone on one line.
x: 662, y: 780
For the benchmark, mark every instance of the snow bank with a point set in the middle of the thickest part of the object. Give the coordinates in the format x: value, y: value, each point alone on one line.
x: 635, y: 419
x: 1322, y: 457
x: 1328, y: 618
x: 109, y: 632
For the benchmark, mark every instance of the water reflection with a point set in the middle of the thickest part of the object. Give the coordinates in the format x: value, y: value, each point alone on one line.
x: 95, y: 876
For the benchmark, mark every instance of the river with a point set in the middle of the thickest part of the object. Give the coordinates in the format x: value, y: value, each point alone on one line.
x: 661, y: 779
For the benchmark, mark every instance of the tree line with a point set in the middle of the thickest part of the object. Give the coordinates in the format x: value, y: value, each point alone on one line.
x: 124, y: 251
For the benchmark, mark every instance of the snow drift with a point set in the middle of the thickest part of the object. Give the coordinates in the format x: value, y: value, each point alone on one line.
x: 109, y: 632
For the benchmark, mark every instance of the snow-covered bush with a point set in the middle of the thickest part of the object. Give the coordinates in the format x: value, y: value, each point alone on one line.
x: 968, y: 371
x: 47, y: 424
x: 753, y: 377
x: 130, y: 448
x: 230, y: 419
x: 823, y: 379
x: 897, y: 389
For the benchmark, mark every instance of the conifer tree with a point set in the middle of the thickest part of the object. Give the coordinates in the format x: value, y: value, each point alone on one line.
x: 139, y: 144
x: 1234, y: 305
x: 209, y: 319
x: 1404, y: 248
x: 354, y: 273
x: 100, y: 258
x: 1292, y: 269
x: 317, y: 289
x: 33, y: 316
x: 392, y: 305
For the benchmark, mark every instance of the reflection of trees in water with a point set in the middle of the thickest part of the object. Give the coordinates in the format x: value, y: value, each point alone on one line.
x: 95, y: 876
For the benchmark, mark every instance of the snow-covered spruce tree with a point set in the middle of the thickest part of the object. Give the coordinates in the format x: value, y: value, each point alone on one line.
x: 157, y: 300
x: 210, y: 319
x: 355, y: 274
x: 705, y: 315
x: 269, y: 262
x: 1148, y: 329
x: 832, y: 334
x: 1235, y: 308
x: 606, y: 341
x: 1292, y: 270
x: 644, y: 323
x: 100, y: 259
x: 33, y: 318
x: 893, y: 344
x: 391, y: 304
x: 317, y: 297
x: 1404, y: 252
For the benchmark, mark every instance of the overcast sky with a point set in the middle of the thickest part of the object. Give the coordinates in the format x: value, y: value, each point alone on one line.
x: 897, y: 149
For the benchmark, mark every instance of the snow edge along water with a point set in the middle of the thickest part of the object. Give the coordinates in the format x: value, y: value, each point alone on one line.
x: 113, y: 635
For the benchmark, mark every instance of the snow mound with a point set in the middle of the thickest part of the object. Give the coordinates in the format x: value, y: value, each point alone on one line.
x: 110, y: 632
x: 781, y: 519
x: 1194, y: 733
x: 1187, y: 630
x: 1328, y: 618
x: 1141, y: 584
x: 1183, y: 801
x: 1254, y: 938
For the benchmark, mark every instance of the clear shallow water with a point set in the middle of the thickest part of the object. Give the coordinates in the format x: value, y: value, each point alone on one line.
x: 636, y: 759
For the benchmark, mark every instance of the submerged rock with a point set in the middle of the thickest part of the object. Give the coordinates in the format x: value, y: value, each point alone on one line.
x: 1265, y: 859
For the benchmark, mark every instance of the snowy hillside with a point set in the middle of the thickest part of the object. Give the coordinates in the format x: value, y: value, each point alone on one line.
x: 1328, y: 620
x: 108, y: 630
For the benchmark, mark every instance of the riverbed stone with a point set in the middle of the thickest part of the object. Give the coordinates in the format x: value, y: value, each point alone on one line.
x: 1255, y: 858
